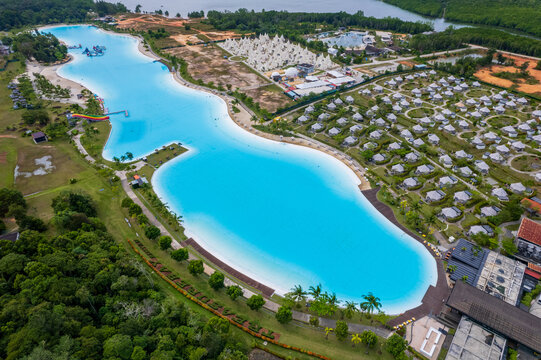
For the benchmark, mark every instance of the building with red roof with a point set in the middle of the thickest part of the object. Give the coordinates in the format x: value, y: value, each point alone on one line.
x: 529, y: 241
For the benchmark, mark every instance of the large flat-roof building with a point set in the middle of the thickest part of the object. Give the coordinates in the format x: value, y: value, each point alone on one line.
x: 501, y: 276
x: 466, y: 261
x: 473, y: 342
x: 494, y: 314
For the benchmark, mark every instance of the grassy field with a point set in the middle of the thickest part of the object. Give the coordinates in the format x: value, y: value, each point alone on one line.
x: 95, y: 137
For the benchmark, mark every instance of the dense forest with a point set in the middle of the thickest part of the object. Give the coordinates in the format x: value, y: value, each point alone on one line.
x: 42, y: 47
x: 273, y: 22
x: 17, y: 13
x: 455, y: 38
x: 523, y: 15
x: 78, y: 295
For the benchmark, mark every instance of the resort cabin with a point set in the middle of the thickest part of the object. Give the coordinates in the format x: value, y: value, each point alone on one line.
x: 434, y: 196
x: 462, y: 197
x: 378, y: 158
x: 465, y: 171
x: 350, y: 141
x: 500, y: 193
x: 398, y: 169
x: 481, y: 166
x: 418, y: 129
x: 463, y: 124
x: 310, y: 109
x: 302, y: 119
x: 491, y: 137
x: 394, y: 146
x: 450, y: 213
x: 509, y: 131
x: 350, y: 100
x: 334, y: 131
x: 433, y: 139
x: 323, y: 117
x: 357, y: 117
x: 355, y: 128
x: 449, y: 129
x: 446, y: 160
x: 406, y: 134
x: 417, y: 102
x: 502, y: 149
x: 426, y: 121
x: 461, y: 154
x: 446, y: 181
x: 418, y: 142
x: 518, y: 146
x: 411, y: 157
x: 376, y: 135
x: 478, y: 143
x: 487, y: 211
x: 424, y: 169
x: 331, y: 106
x: 392, y: 117
x: 496, y: 157
x: 518, y: 188
x: 481, y: 229
x: 342, y: 121
x: 411, y: 182
x: 39, y: 137
x: 316, y: 127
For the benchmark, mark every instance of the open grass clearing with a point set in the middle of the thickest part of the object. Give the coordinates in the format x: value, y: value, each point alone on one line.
x: 502, y: 121
x: 528, y: 163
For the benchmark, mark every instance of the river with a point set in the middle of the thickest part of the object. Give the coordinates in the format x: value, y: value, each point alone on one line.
x: 373, y: 8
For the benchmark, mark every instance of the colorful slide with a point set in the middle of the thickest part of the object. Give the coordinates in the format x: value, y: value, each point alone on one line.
x: 90, y: 117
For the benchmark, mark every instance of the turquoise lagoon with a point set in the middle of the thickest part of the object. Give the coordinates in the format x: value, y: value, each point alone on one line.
x: 280, y: 213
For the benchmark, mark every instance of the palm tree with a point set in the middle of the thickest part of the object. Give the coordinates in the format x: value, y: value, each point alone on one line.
x: 297, y: 293
x: 355, y: 339
x: 415, y: 206
x: 123, y: 158
x: 315, y: 292
x: 129, y: 155
x: 371, y: 303
x: 350, y: 309
x: 332, y: 299
x: 328, y: 330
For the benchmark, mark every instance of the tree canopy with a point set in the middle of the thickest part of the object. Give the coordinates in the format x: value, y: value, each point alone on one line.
x: 78, y: 295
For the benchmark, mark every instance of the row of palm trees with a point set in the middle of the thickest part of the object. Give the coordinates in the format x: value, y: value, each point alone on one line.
x: 371, y: 303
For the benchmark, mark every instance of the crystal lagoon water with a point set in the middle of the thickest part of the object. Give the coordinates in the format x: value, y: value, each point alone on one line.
x: 281, y: 213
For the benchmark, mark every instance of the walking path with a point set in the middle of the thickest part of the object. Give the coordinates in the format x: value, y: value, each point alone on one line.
x: 435, y: 296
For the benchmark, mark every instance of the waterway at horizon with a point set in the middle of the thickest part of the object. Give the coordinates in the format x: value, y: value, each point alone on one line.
x: 375, y: 8
x: 281, y: 213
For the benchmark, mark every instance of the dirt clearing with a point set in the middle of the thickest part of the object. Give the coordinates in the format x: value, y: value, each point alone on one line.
x: 533, y: 86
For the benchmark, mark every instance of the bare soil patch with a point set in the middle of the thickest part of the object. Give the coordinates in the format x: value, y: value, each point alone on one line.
x: 487, y: 74
x: 208, y: 63
x: 43, y: 176
x: 3, y: 157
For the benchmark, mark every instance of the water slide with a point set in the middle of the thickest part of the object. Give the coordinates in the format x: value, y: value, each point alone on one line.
x: 90, y: 117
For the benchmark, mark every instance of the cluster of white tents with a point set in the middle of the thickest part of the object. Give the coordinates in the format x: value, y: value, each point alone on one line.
x: 265, y: 53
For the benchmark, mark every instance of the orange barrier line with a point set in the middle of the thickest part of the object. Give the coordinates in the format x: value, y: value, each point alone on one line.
x: 217, y: 313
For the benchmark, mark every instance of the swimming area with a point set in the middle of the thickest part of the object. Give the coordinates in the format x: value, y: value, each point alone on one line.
x: 280, y: 213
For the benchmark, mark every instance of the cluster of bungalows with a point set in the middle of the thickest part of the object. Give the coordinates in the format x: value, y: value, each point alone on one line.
x: 397, y: 141
x: 18, y: 99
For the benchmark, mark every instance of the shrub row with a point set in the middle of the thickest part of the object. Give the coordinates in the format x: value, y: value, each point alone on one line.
x: 207, y: 303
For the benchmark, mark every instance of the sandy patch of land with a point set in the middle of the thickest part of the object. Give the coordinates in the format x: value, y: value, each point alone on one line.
x: 51, y: 74
x: 142, y: 22
x: 486, y: 74
x: 3, y: 157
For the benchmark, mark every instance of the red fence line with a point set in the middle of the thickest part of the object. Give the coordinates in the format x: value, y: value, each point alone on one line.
x: 217, y: 313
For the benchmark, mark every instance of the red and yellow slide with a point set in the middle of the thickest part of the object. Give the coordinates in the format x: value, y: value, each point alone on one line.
x: 90, y: 117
